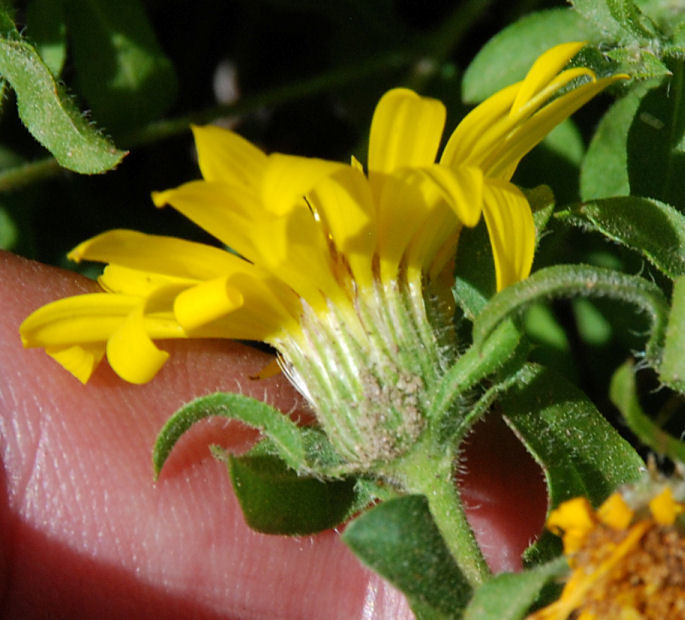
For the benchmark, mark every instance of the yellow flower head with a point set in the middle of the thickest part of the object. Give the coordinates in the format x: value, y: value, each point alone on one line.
x: 328, y: 264
x: 627, y: 561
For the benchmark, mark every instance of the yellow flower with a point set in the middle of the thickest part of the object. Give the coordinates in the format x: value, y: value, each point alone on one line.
x: 329, y: 264
x: 628, y: 562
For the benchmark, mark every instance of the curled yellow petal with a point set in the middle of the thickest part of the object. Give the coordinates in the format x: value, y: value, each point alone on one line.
x: 205, y: 303
x: 511, y: 229
x: 131, y: 352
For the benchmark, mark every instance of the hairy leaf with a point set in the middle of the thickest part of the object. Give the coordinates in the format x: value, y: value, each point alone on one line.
x: 400, y: 540
x: 276, y: 500
x: 652, y: 228
x: 280, y: 429
x: 508, y: 596
x: 579, y: 451
x: 47, y: 112
x: 578, y: 280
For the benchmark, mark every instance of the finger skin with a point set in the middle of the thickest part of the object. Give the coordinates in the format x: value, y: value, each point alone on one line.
x: 86, y: 532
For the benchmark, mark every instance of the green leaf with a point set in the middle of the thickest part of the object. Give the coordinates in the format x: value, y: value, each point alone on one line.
x: 656, y: 143
x: 46, y: 28
x: 278, y: 427
x: 672, y: 368
x: 506, y: 57
x: 509, y: 596
x: 579, y: 451
x: 399, y: 540
x: 652, y: 228
x: 578, y: 280
x: 604, y: 171
x: 121, y: 69
x: 623, y: 394
x: 275, y: 500
x: 47, y: 112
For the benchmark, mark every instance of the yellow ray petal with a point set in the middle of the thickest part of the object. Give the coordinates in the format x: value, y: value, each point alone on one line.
x: 158, y: 254
x: 530, y: 133
x: 131, y: 352
x: 472, y: 127
x: 226, y: 157
x: 405, y: 131
x: 460, y: 188
x: 79, y: 360
x: 227, y: 212
x: 288, y: 178
x: 87, y: 319
x: 402, y: 210
x: 345, y: 206
x: 511, y: 230
x: 134, y: 282
x: 544, y: 69
x: 205, y: 303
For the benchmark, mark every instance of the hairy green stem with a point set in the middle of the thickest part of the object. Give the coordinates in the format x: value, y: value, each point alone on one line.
x: 432, y: 474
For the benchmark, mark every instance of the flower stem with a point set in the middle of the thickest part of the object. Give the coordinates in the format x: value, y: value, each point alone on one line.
x: 432, y: 475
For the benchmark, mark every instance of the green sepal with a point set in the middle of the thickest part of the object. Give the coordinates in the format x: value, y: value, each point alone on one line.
x: 276, y: 500
x: 120, y: 68
x: 623, y: 394
x: 578, y: 280
x: 508, y: 56
x: 509, y: 596
x: 652, y: 228
x: 399, y: 540
x: 49, y: 115
x: 578, y: 450
x: 285, y: 435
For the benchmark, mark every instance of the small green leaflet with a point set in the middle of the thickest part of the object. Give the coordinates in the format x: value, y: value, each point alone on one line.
x: 48, y: 113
